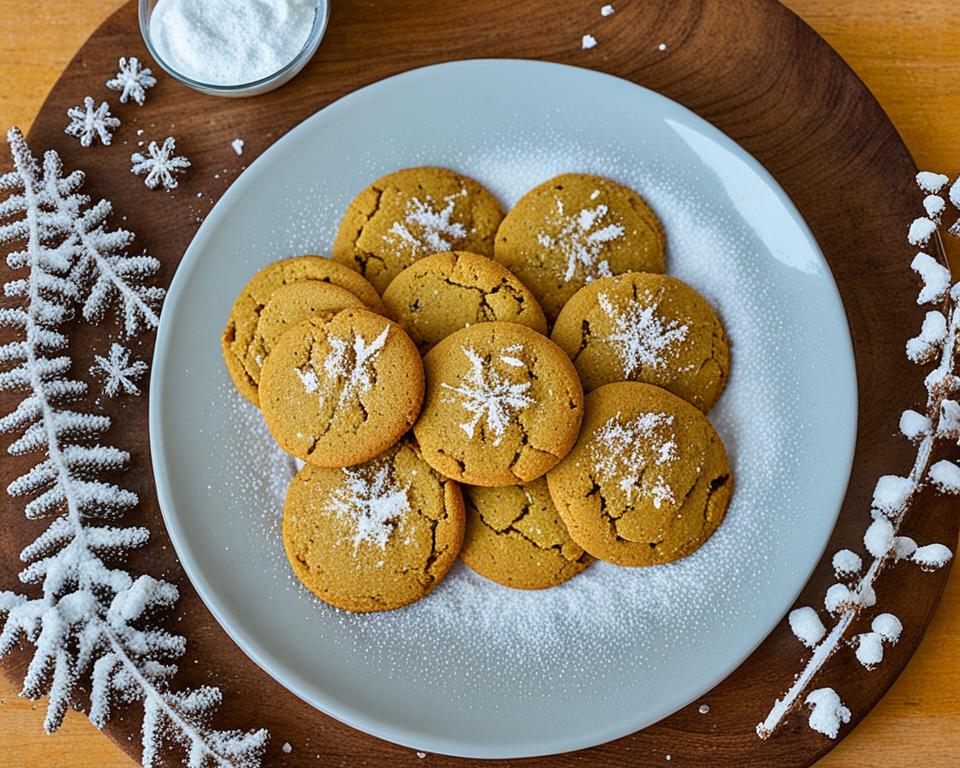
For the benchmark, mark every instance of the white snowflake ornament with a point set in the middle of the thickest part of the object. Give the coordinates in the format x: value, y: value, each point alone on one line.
x: 132, y: 81
x: 159, y: 164
x: 91, y: 122
x: 118, y: 373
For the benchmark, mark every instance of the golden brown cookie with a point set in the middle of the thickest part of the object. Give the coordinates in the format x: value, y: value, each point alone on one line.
x: 515, y: 537
x: 503, y: 405
x: 574, y: 229
x: 648, y: 481
x: 338, y: 392
x: 291, y: 304
x: 242, y: 324
x: 412, y: 213
x: 445, y: 292
x: 373, y: 537
x: 644, y: 327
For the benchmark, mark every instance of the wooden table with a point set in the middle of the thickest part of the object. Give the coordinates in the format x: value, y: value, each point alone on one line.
x: 907, y: 53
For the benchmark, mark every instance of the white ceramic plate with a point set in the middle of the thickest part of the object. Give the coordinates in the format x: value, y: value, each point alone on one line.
x: 477, y: 669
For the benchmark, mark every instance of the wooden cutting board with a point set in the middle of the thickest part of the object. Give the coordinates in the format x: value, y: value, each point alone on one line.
x: 750, y: 67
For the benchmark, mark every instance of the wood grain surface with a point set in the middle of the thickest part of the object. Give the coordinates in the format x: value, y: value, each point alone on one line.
x: 906, y: 52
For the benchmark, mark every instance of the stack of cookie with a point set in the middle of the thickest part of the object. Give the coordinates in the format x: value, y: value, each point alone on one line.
x: 414, y: 376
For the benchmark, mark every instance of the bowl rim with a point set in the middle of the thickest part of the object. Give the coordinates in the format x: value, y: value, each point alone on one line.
x: 320, y: 20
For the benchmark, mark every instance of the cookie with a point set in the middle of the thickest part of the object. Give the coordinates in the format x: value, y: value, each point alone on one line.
x: 340, y: 391
x: 410, y: 214
x: 445, y: 292
x: 648, y: 481
x: 242, y: 324
x: 503, y: 405
x: 515, y: 537
x: 644, y: 327
x: 574, y: 229
x: 373, y: 537
x: 291, y: 304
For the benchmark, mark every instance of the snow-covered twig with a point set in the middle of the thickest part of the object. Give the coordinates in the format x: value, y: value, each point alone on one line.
x: 893, y: 495
x: 91, y: 617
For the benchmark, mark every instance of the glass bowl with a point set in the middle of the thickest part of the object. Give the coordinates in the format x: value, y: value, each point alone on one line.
x: 256, y: 87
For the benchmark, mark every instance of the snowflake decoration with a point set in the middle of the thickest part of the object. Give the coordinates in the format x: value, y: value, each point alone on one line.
x: 436, y: 231
x: 641, y: 336
x: 489, y: 396
x: 372, y: 505
x: 581, y: 240
x: 91, y: 122
x: 853, y: 593
x: 623, y: 453
x: 86, y: 617
x: 160, y: 164
x: 118, y: 373
x: 132, y: 80
x: 351, y: 364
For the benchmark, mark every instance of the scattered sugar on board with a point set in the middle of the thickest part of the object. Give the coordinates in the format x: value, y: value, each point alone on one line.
x: 470, y: 633
x: 588, y: 42
x: 287, y: 749
x: 607, y: 10
x: 237, y: 146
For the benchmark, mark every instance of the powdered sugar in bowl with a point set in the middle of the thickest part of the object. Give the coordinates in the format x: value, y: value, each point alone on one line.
x: 233, y: 47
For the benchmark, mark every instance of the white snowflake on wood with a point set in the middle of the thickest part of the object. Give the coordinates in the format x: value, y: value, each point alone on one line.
x: 89, y: 616
x: 641, y: 336
x: 426, y: 229
x: 630, y: 454
x: 91, y: 122
x: 371, y: 502
x: 349, y: 365
x: 132, y: 81
x: 489, y: 396
x: 159, y: 164
x: 118, y: 373
x: 853, y: 593
x: 581, y: 240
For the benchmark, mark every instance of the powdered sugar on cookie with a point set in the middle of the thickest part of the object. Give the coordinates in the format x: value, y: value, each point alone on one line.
x: 581, y: 240
x: 642, y: 337
x: 490, y: 397
x: 630, y: 453
x: 426, y: 229
x: 371, y: 502
x: 349, y: 364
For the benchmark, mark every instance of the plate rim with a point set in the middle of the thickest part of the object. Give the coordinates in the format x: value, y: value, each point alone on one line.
x: 324, y: 703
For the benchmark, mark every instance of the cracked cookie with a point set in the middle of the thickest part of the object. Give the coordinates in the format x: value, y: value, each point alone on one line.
x: 574, y: 229
x: 373, y: 537
x: 412, y: 213
x: 340, y: 391
x: 291, y: 304
x: 515, y: 537
x: 503, y: 405
x: 645, y: 327
x: 648, y: 481
x: 445, y: 292
x: 242, y: 324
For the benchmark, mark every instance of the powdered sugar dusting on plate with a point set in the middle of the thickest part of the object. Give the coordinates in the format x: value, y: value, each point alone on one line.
x: 584, y: 635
